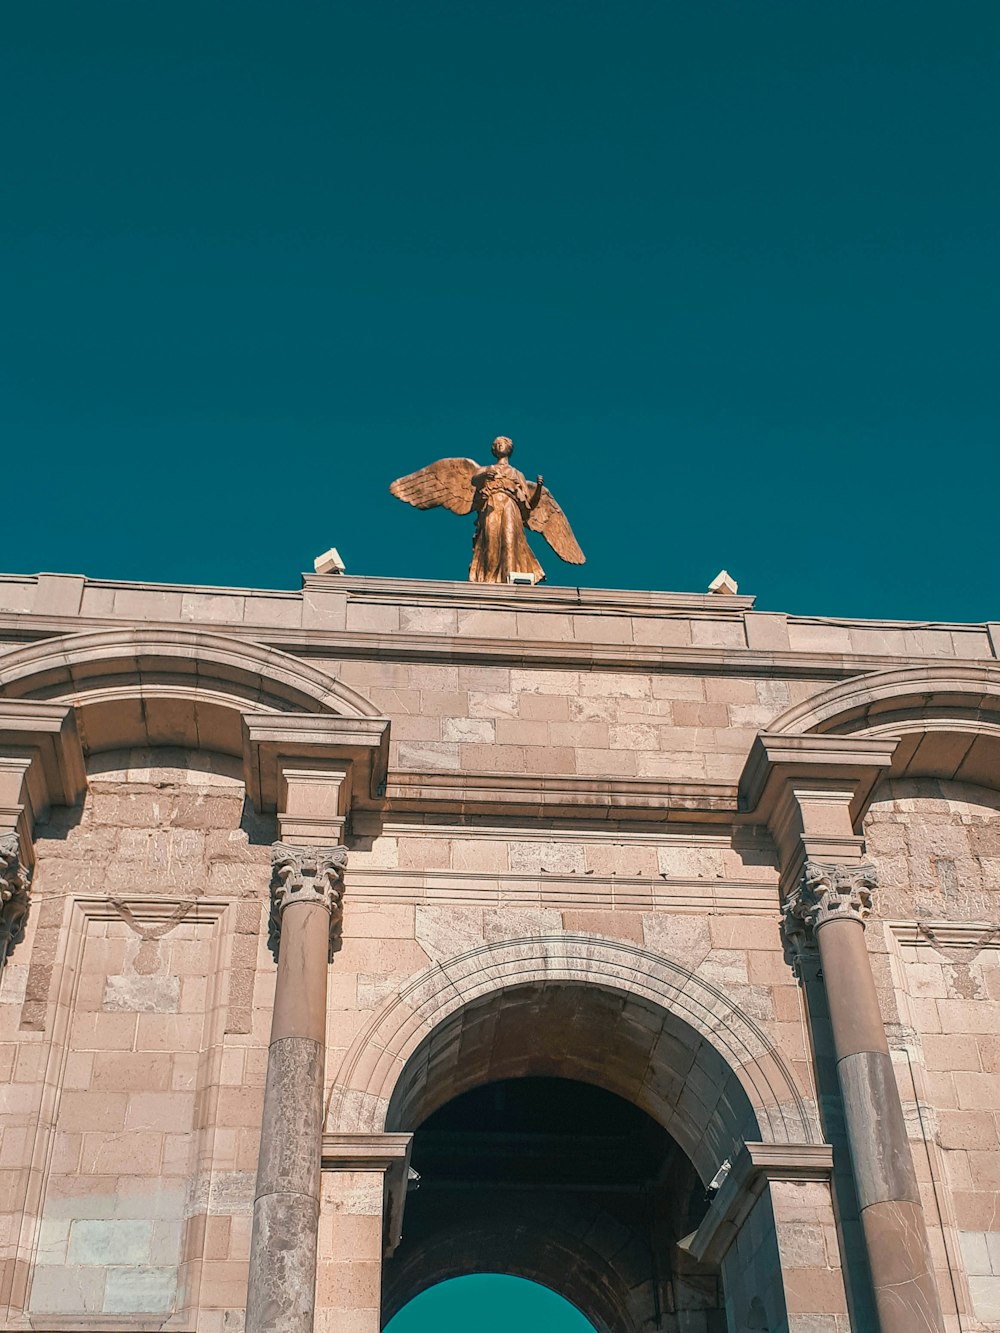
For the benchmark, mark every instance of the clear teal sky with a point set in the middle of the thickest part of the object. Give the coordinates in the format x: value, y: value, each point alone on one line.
x: 726, y: 271
x: 489, y: 1303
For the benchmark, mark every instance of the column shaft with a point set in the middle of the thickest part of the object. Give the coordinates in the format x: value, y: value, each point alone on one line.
x: 306, y: 913
x: 906, y: 1295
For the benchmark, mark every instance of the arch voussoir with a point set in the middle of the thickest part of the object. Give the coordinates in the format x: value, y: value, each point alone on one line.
x: 705, y: 1042
x: 155, y: 685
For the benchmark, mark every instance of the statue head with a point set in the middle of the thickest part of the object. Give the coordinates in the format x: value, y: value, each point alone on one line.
x: 502, y: 447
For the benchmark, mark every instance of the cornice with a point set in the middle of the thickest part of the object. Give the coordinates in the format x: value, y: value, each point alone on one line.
x: 503, y: 597
x: 468, y: 650
x: 274, y: 742
x: 439, y: 592
x: 775, y: 759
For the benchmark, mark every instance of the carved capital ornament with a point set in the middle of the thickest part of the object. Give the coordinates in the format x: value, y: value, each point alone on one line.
x: 830, y: 893
x: 307, y: 875
x: 15, y: 898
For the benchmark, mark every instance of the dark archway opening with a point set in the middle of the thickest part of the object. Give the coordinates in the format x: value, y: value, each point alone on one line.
x: 568, y: 1185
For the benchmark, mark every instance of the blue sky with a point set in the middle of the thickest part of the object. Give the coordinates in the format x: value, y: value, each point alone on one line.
x: 727, y: 272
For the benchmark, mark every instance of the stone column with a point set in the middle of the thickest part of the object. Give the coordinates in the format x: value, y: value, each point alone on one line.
x: 306, y: 914
x: 832, y: 901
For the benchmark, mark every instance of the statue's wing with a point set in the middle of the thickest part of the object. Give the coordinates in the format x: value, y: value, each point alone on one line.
x: 447, y: 482
x: 548, y: 519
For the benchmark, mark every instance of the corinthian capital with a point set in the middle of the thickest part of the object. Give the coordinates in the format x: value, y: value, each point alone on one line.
x: 830, y: 893
x: 307, y: 875
x: 14, y: 895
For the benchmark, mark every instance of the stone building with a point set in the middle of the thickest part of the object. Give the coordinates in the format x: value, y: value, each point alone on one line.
x: 664, y: 951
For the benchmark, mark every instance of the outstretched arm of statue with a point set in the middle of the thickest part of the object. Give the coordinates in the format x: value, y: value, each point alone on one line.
x: 539, y: 488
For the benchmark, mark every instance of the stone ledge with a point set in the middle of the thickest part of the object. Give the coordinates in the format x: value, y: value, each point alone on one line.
x: 506, y: 597
x: 469, y: 650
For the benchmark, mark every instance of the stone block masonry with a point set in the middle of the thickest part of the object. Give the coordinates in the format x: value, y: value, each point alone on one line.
x: 739, y: 869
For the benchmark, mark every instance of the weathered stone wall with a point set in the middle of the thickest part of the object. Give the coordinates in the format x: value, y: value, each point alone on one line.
x: 938, y: 850
x: 133, y: 1124
x: 937, y: 845
x: 597, y: 724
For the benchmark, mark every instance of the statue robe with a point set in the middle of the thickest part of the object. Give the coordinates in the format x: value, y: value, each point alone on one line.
x: 502, y: 508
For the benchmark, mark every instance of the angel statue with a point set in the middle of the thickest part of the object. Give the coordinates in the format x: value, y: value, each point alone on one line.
x: 504, y: 502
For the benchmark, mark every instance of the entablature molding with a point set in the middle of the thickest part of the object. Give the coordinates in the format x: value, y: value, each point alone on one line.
x: 777, y: 762
x: 475, y: 650
x: 286, y: 751
x: 550, y: 796
x: 812, y: 793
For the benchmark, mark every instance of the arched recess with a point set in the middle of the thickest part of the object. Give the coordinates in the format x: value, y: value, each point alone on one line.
x: 178, y: 687
x: 670, y: 1042
x: 947, y: 718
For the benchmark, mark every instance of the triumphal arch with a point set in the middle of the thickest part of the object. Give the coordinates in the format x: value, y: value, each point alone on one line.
x: 642, y: 944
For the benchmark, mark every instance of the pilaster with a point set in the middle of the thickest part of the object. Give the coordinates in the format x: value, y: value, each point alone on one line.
x: 364, y: 1190
x: 776, y: 1194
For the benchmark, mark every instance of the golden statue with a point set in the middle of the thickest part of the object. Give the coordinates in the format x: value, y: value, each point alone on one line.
x: 504, y: 502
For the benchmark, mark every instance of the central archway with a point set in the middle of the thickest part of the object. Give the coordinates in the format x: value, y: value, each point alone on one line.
x: 622, y: 1024
x: 640, y: 1026
x: 710, y: 1055
x: 537, y: 1158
